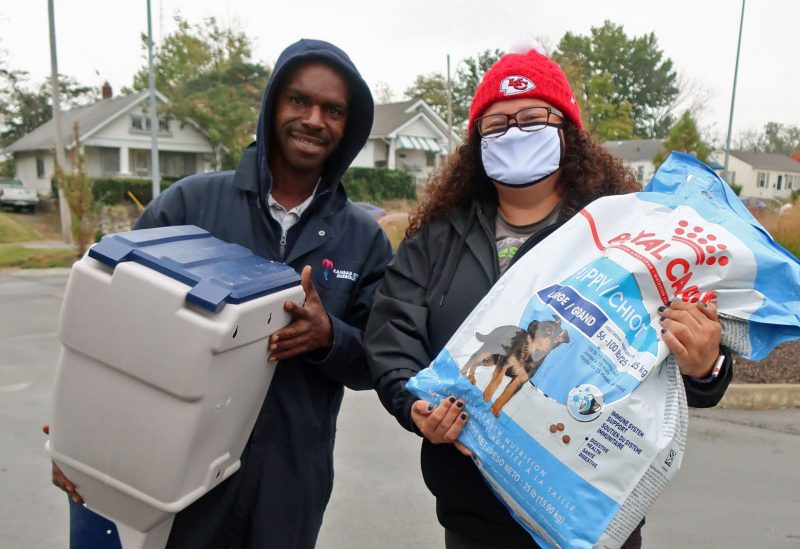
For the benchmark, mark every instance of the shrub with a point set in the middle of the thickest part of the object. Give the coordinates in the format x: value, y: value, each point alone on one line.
x: 378, y: 185
x: 76, y: 187
x: 115, y: 190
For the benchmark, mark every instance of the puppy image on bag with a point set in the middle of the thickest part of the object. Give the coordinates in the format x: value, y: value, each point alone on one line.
x: 515, y: 353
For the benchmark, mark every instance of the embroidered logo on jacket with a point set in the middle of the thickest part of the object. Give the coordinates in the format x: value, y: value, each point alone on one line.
x: 347, y: 275
x: 327, y: 267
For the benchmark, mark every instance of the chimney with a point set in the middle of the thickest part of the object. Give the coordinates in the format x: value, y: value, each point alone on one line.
x: 107, y: 93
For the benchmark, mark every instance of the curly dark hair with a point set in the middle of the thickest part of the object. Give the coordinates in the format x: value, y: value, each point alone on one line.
x: 588, y: 172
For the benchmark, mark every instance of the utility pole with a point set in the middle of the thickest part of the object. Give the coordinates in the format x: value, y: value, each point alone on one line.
x: 61, y: 161
x: 154, y: 168
x: 725, y: 173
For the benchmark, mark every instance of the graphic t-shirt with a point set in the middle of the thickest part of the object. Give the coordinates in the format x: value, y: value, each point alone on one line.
x: 509, y: 237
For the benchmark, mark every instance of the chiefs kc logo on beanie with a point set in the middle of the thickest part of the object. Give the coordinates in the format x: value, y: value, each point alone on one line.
x: 512, y: 85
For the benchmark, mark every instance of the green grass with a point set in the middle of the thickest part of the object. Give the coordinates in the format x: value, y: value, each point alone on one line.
x: 34, y: 258
x: 12, y: 230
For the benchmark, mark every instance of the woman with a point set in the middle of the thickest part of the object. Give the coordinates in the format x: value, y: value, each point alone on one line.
x: 525, y: 168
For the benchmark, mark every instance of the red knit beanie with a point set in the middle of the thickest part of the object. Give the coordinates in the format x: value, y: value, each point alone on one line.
x: 529, y: 74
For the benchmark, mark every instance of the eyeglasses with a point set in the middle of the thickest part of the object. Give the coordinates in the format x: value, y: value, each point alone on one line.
x: 530, y: 119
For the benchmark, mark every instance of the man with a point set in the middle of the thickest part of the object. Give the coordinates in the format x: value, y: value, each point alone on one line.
x: 286, y: 203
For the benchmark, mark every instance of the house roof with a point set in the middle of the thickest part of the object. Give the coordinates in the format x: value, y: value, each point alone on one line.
x: 768, y: 161
x: 89, y: 118
x: 390, y: 116
x: 635, y: 150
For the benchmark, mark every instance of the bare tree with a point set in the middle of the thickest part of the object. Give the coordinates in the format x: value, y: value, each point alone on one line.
x: 382, y: 93
x: 749, y: 140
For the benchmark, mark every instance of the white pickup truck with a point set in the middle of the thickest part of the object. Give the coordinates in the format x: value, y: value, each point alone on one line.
x: 13, y: 194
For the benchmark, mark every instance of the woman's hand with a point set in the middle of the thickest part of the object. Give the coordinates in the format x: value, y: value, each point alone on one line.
x: 441, y: 424
x: 692, y: 333
x: 60, y: 479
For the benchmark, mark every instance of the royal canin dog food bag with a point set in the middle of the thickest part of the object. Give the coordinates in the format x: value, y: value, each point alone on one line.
x: 578, y: 415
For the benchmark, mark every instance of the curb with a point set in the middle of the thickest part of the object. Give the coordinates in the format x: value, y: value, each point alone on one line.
x: 761, y: 396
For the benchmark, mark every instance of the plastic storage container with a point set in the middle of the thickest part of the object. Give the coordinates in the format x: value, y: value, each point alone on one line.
x: 163, y: 371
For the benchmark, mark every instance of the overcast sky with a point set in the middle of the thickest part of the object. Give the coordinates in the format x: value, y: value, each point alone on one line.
x: 392, y: 42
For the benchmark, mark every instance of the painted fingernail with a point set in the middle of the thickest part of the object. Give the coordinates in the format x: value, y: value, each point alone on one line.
x: 452, y: 399
x: 460, y: 404
x: 705, y: 305
x: 662, y: 319
x: 662, y: 309
x: 463, y: 417
x: 430, y: 407
x: 663, y: 330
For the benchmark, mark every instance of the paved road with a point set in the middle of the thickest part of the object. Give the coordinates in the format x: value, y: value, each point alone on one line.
x: 738, y: 486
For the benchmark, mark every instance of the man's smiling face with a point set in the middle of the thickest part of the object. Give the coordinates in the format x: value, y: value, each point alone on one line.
x: 310, y: 116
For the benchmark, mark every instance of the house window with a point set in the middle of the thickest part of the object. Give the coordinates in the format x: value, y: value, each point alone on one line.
x: 380, y: 163
x: 763, y: 179
x: 142, y: 123
x: 430, y: 159
x: 791, y: 182
x: 640, y: 174
x: 109, y: 160
x: 140, y: 162
x: 780, y: 180
x: 175, y: 164
x: 40, y: 167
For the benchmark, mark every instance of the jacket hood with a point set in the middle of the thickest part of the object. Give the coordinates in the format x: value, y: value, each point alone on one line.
x: 359, y: 113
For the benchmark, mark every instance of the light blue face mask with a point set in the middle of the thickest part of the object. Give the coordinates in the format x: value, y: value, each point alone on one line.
x: 522, y: 159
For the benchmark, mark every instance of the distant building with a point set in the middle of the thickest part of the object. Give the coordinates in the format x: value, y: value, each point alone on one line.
x: 115, y: 140
x: 638, y: 155
x: 762, y: 175
x: 406, y: 136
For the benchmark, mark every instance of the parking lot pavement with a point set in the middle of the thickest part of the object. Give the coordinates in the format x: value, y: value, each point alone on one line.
x: 737, y: 486
x: 33, y: 514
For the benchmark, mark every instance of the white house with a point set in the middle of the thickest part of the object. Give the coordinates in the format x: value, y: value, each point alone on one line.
x: 762, y: 175
x: 638, y: 155
x: 406, y: 136
x: 115, y: 139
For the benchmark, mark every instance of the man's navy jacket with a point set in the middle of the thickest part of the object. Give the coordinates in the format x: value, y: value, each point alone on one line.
x: 279, y: 495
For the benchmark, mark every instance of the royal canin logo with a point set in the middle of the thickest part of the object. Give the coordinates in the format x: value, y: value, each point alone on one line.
x: 701, y: 244
x: 707, y: 251
x: 513, y: 85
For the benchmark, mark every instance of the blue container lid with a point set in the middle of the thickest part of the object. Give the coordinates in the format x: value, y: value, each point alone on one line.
x: 219, y: 272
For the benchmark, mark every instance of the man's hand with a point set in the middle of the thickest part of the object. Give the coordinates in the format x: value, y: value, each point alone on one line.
x: 310, y: 329
x: 60, y: 480
x: 692, y: 332
x: 442, y: 424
